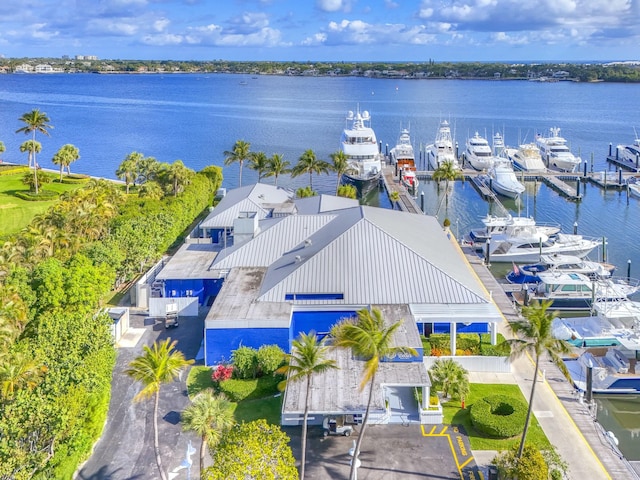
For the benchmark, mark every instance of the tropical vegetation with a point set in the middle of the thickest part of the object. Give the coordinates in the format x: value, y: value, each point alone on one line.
x: 450, y: 378
x: 371, y: 339
x: 239, y: 154
x: 534, y: 336
x: 310, y: 164
x: 34, y: 121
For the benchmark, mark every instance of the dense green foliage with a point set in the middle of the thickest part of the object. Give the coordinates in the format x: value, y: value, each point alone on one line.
x: 530, y: 466
x: 450, y: 378
x: 438, y: 344
x: 56, y: 349
x: 253, y: 450
x: 499, y: 416
x: 251, y: 363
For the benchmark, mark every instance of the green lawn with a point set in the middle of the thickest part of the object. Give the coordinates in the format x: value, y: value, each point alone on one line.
x: 17, y: 213
x: 453, y: 414
x: 267, y: 407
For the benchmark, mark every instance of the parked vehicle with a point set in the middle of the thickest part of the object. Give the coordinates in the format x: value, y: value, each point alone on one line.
x: 171, y: 316
x: 336, y: 426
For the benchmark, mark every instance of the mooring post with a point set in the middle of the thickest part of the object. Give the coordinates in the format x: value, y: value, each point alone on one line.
x: 610, y: 147
x: 629, y: 270
x: 578, y: 189
x: 575, y: 228
x: 422, y: 201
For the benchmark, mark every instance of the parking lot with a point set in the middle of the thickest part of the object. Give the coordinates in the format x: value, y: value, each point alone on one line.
x: 390, y: 452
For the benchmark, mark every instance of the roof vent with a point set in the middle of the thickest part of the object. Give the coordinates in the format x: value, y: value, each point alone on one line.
x: 308, y: 242
x: 298, y: 258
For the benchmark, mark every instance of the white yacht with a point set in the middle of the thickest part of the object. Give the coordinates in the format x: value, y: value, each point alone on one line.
x: 629, y: 153
x: 478, y: 152
x: 360, y: 145
x: 527, y: 158
x: 508, y: 225
x: 559, y: 263
x: 498, y: 145
x: 555, y: 152
x: 503, y: 180
x: 402, y: 155
x: 442, y: 150
x: 527, y: 245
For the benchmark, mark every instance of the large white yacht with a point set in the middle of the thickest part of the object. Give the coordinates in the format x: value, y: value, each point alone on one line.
x: 527, y: 158
x: 442, y: 150
x: 503, y: 179
x: 478, y: 152
x: 555, y: 151
x: 360, y: 145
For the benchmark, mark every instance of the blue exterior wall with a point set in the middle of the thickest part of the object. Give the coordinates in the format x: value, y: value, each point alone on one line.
x: 461, y: 328
x: 319, y: 322
x: 219, y: 343
x: 192, y: 288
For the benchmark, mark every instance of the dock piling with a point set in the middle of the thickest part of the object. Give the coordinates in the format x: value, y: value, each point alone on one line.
x: 628, y: 270
x: 422, y: 201
x: 575, y: 228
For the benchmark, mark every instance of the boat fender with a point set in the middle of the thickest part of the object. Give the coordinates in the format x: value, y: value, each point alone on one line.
x: 612, y: 437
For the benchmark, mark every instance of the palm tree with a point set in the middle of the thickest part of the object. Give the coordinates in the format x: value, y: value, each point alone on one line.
x: 35, y: 121
x: 209, y: 415
x: 31, y: 147
x: 448, y: 172
x: 179, y: 175
x: 22, y: 371
x: 2, y: 148
x: 340, y: 165
x: 369, y: 339
x: 308, y: 357
x: 239, y: 154
x: 259, y: 163
x: 536, y: 338
x: 451, y: 378
x: 65, y: 157
x: 128, y: 169
x: 159, y: 364
x: 277, y: 166
x: 309, y: 163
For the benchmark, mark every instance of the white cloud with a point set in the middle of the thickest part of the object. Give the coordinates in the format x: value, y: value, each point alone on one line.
x: 162, y: 39
x: 334, y: 5
x: 216, y: 35
x: 161, y: 24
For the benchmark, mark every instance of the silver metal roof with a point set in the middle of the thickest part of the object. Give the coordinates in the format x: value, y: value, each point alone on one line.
x: 192, y: 260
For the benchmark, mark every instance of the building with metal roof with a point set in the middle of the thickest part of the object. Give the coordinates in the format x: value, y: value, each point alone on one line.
x: 273, y: 266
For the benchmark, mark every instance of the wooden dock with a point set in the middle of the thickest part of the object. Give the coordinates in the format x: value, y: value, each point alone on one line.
x: 628, y: 166
x: 392, y: 184
x: 558, y: 184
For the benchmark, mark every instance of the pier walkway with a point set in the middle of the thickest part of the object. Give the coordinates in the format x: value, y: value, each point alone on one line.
x: 392, y: 184
x: 567, y: 422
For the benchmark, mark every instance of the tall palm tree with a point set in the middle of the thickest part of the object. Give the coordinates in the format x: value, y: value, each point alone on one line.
x: 179, y: 175
x: 371, y: 340
x: 309, y: 163
x: 260, y: 163
x: 31, y: 147
x: 65, y: 157
x: 308, y: 357
x: 536, y: 338
x: 277, y: 166
x: 2, y: 148
x: 340, y: 165
x: 209, y: 415
x: 239, y: 154
x: 128, y: 170
x: 35, y: 121
x: 159, y: 364
x: 448, y: 172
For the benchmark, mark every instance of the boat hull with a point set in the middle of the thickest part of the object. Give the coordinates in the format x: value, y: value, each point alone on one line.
x: 362, y: 185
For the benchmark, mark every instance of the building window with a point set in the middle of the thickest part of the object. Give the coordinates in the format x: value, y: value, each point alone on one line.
x: 313, y: 296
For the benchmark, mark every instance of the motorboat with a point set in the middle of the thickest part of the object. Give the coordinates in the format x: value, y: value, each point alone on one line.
x: 555, y: 152
x: 503, y: 180
x: 402, y: 155
x: 528, y: 245
x: 575, y: 291
x: 360, y: 145
x: 629, y: 153
x: 526, y: 158
x: 611, y: 373
x: 633, y: 187
x: 559, y: 263
x: 612, y: 323
x: 496, y: 225
x: 442, y: 150
x: 478, y: 153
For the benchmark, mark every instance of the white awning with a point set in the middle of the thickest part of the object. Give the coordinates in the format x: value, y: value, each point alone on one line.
x: 458, y: 313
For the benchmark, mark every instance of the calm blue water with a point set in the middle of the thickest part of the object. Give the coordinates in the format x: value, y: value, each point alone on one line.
x: 196, y: 118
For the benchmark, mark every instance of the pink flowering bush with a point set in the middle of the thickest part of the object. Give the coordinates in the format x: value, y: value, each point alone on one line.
x: 222, y: 373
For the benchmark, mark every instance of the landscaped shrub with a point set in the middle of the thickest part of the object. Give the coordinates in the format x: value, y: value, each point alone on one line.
x: 75, y: 179
x: 13, y: 169
x: 270, y: 358
x: 222, y: 373
x: 245, y: 361
x: 468, y: 342
x: 531, y: 466
x: 499, y: 416
x: 43, y: 195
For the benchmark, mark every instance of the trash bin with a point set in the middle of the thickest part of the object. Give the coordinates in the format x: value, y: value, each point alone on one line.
x: 493, y: 472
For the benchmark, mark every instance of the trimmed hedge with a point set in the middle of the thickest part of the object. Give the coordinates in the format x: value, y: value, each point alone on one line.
x: 42, y: 196
x: 439, y: 344
x: 499, y: 416
x: 13, y: 169
x: 76, y: 179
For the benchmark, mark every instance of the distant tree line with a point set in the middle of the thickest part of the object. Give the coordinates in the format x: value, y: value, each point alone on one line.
x: 584, y: 72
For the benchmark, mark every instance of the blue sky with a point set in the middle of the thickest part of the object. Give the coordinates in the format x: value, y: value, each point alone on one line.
x: 323, y: 30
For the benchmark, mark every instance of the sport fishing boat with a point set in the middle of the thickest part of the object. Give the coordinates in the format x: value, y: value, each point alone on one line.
x: 478, y: 153
x: 360, y: 145
x: 402, y: 155
x: 503, y: 180
x: 556, y: 153
x: 612, y: 373
x: 442, y: 149
x: 559, y: 263
x: 574, y: 291
x: 629, y: 153
x: 526, y: 158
